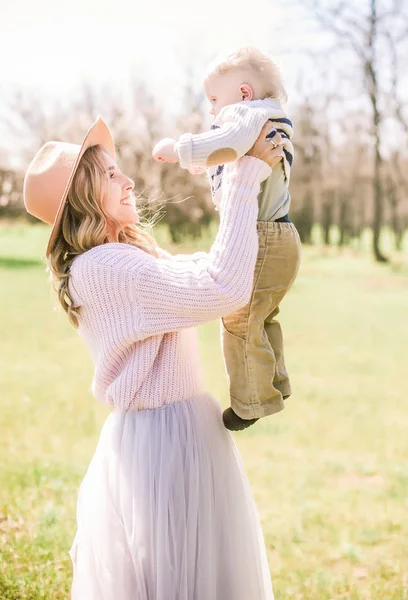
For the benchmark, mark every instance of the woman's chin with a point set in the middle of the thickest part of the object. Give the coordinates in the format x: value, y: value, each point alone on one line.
x: 134, y: 220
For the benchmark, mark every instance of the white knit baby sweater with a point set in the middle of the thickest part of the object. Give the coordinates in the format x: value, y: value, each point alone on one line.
x: 233, y: 133
x: 137, y: 310
x: 236, y: 128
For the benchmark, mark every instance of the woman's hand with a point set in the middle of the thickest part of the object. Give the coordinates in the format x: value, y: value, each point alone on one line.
x: 271, y: 151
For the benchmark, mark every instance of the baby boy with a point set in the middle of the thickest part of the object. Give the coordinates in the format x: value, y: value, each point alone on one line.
x: 245, y: 91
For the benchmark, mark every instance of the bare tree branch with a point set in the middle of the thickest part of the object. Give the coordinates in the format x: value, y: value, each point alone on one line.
x: 334, y: 21
x: 399, y: 110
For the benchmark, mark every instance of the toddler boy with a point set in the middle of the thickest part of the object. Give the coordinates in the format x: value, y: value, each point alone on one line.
x: 245, y: 90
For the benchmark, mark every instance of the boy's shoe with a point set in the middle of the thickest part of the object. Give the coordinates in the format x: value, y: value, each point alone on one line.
x: 235, y: 423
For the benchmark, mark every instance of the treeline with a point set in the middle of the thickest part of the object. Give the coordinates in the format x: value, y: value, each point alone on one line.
x: 351, y: 156
x: 166, y: 193
x: 330, y: 185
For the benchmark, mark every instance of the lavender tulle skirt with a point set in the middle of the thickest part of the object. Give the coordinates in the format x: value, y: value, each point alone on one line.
x: 165, y: 511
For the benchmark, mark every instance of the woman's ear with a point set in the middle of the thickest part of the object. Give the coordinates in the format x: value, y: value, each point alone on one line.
x: 246, y: 91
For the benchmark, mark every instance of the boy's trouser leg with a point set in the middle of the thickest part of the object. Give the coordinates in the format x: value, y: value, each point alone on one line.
x: 273, y: 330
x: 251, y: 337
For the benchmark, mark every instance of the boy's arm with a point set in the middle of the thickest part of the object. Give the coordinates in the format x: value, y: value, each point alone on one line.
x: 165, y: 151
x: 241, y: 126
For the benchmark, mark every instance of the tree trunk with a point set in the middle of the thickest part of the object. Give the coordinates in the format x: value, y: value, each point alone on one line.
x: 343, y: 220
x: 377, y: 187
x: 396, y: 223
x: 304, y: 219
x: 399, y: 236
x: 327, y: 215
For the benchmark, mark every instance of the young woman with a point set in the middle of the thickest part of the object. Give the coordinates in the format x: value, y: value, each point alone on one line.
x: 165, y: 511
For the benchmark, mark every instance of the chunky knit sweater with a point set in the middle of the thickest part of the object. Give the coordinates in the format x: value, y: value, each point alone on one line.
x: 233, y: 133
x: 138, y: 311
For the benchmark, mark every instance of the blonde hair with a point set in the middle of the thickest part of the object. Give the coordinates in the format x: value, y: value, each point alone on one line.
x: 254, y: 61
x: 84, y: 225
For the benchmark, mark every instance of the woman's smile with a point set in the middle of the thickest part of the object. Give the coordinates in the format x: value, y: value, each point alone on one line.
x: 128, y: 200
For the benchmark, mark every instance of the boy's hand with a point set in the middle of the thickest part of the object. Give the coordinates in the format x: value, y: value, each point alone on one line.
x: 165, y: 151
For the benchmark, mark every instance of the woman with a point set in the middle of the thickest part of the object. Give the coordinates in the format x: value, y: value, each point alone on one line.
x: 165, y: 511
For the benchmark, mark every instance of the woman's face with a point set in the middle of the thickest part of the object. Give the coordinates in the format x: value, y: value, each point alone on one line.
x: 119, y: 202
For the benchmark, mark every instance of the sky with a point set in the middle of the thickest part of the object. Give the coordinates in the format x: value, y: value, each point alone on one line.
x: 52, y: 47
x: 53, y: 44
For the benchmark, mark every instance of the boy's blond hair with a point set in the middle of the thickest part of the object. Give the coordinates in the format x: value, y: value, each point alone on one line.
x: 253, y: 60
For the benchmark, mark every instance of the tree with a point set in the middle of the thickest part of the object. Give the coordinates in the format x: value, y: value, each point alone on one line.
x: 364, y: 33
x: 165, y: 192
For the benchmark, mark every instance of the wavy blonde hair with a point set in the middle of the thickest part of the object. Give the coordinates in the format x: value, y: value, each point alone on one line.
x: 84, y: 225
x: 252, y: 60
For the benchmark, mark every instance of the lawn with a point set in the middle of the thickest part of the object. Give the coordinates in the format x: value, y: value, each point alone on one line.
x: 330, y: 473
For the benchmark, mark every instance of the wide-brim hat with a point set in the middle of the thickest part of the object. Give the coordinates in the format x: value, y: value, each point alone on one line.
x: 50, y: 174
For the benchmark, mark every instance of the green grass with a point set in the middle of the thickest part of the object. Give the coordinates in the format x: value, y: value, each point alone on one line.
x: 330, y: 473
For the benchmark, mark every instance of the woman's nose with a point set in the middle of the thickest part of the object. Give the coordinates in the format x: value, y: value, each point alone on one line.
x: 130, y: 184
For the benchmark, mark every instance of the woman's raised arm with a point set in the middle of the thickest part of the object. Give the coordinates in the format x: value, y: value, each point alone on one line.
x: 170, y: 295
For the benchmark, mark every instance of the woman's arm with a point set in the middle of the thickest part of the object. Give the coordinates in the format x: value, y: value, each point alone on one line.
x: 177, y: 294
x: 196, y: 256
x: 167, y: 295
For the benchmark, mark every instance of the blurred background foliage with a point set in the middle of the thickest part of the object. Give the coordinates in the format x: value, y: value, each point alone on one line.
x: 351, y: 169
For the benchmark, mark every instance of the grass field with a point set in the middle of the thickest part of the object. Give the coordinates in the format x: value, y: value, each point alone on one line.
x: 330, y: 473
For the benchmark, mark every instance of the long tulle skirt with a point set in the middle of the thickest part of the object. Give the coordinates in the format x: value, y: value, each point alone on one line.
x: 165, y: 511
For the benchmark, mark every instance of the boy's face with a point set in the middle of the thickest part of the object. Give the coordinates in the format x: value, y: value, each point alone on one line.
x: 224, y: 89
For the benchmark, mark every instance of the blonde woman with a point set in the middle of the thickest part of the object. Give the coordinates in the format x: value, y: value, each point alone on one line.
x: 165, y: 511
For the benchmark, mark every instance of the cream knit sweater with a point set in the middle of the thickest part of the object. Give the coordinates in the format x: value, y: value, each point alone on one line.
x: 236, y: 129
x: 233, y: 133
x: 138, y: 311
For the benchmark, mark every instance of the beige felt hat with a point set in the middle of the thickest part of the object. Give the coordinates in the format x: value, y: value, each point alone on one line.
x: 50, y: 174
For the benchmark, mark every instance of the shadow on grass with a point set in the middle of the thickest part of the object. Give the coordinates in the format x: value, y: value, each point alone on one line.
x: 9, y: 589
x: 19, y: 263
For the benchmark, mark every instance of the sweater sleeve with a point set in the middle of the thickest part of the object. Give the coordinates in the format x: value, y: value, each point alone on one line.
x: 166, y: 294
x: 184, y: 257
x: 178, y: 294
x: 240, y: 126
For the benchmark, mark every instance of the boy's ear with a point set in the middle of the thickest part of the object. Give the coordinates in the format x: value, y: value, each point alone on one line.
x: 246, y: 91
